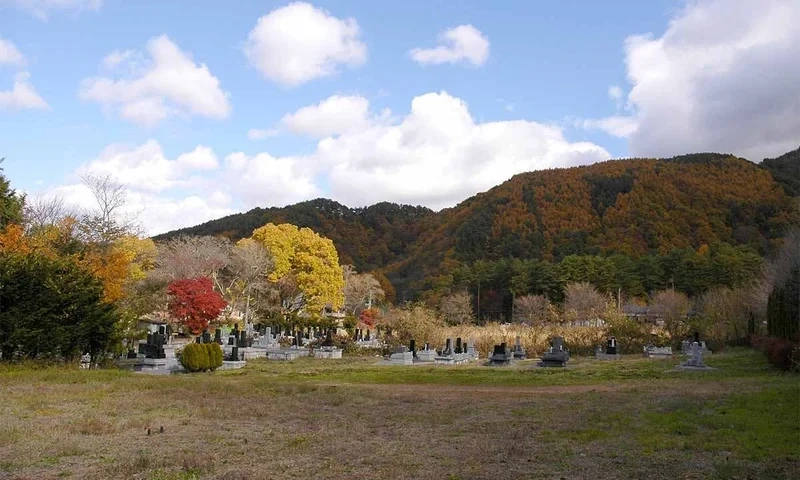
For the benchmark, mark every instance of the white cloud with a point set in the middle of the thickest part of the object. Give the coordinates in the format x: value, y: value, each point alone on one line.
x: 268, y: 181
x: 147, y: 168
x: 438, y: 155
x: 116, y: 58
x: 618, y: 125
x: 157, y: 214
x: 262, y: 133
x: 298, y: 43
x: 166, y: 84
x: 22, y: 95
x: 463, y: 43
x: 192, y: 188
x: 42, y: 8
x: 332, y: 116
x: 9, y: 54
x: 724, y: 77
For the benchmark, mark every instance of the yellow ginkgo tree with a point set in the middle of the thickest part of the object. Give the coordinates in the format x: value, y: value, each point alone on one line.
x: 306, y: 268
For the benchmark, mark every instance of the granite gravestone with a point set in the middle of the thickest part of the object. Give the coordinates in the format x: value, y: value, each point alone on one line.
x: 610, y: 352
x: 426, y: 355
x: 500, y: 356
x: 556, y: 356
x: 401, y: 356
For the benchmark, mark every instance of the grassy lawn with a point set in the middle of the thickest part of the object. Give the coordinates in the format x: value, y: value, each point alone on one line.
x: 634, y: 418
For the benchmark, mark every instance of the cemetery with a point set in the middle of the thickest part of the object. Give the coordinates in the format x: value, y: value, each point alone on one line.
x: 266, y: 357
x: 105, y: 423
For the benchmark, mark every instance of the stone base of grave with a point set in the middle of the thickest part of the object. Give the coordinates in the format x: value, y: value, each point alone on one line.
x: 328, y: 352
x: 551, y: 364
x: 496, y: 361
x: 287, y: 353
x: 658, y: 352
x: 692, y: 368
x: 705, y: 352
x: 232, y: 365
x: 554, y: 360
x: 152, y: 365
x: 454, y: 359
x: 426, y: 356
x: 251, y: 353
x: 520, y: 355
x: 404, y: 358
x: 608, y: 356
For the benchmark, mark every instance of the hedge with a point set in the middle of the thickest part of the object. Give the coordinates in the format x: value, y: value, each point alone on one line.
x: 199, y: 357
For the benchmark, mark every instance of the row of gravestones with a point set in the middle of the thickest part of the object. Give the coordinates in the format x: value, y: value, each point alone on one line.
x: 460, y: 352
x: 556, y: 356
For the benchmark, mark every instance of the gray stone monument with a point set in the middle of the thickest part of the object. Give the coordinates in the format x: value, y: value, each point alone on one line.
x: 401, y: 356
x: 500, y: 356
x: 557, y: 355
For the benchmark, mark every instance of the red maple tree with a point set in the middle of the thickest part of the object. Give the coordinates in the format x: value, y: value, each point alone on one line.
x: 194, y: 302
x: 368, y: 318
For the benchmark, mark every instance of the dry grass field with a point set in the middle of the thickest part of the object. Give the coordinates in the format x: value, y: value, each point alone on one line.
x: 353, y: 419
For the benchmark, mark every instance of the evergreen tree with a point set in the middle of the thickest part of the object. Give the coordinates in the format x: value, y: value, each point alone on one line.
x: 10, y: 202
x: 51, y: 308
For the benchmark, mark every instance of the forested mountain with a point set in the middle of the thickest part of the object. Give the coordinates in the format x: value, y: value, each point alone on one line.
x: 786, y: 171
x: 629, y: 208
x: 369, y: 238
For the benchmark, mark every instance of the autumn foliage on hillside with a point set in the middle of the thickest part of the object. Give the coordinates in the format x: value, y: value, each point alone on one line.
x: 629, y: 207
x: 634, y: 208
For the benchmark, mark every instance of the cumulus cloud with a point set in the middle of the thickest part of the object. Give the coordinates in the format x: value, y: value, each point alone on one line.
x: 332, y: 116
x: 9, y: 54
x: 461, y: 44
x: 165, y: 83
x: 147, y: 168
x: 264, y: 180
x: 43, y: 8
x: 724, y: 77
x: 157, y: 213
x: 436, y: 155
x: 194, y: 187
x: 298, y: 43
x: 164, y: 193
x: 22, y: 95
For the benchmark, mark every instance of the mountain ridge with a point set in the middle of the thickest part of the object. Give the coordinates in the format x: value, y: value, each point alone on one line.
x: 628, y: 206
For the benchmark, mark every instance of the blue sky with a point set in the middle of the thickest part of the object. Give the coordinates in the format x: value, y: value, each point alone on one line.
x: 549, y: 65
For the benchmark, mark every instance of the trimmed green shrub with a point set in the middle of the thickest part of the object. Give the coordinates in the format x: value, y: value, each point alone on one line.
x: 194, y: 357
x: 199, y: 357
x: 214, y: 355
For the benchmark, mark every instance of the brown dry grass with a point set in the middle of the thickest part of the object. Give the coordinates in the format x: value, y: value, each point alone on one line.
x: 256, y: 424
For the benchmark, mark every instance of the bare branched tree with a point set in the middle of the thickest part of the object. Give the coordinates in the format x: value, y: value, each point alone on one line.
x: 42, y: 211
x: 361, y: 290
x: 191, y: 257
x: 531, y: 309
x: 673, y: 307
x: 111, y: 220
x: 456, y: 309
x: 583, y: 303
